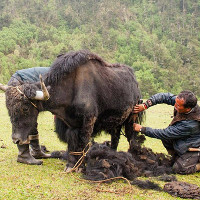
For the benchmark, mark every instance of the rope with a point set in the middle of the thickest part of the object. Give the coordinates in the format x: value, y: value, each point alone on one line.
x: 17, y: 88
x: 25, y: 96
x: 129, y: 190
x: 80, y: 161
x: 123, y: 190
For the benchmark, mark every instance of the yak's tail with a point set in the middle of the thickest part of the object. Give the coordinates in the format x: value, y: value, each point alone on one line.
x: 60, y: 129
x: 68, y: 135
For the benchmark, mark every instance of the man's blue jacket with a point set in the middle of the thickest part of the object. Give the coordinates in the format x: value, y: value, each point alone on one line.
x: 30, y: 75
x: 185, y: 134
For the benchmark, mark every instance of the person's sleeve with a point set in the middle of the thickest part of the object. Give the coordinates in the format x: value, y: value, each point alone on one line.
x: 160, y: 98
x: 176, y: 131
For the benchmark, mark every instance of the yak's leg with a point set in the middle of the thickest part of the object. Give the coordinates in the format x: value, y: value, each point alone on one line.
x: 72, y: 136
x: 80, y: 141
x: 24, y: 156
x: 134, y: 140
x: 115, y: 136
x: 86, y: 131
x: 36, y: 151
x: 129, y: 132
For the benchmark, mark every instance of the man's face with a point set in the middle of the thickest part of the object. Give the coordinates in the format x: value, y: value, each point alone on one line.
x: 179, y: 106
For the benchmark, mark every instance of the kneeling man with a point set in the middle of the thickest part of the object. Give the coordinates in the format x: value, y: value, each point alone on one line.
x: 182, y: 137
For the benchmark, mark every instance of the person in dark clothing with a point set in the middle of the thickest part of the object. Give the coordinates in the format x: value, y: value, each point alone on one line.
x: 182, y: 137
x: 29, y: 75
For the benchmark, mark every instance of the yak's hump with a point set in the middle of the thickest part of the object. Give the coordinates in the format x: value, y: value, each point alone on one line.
x: 66, y: 63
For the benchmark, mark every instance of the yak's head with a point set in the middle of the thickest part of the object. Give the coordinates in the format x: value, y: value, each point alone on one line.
x: 22, y: 104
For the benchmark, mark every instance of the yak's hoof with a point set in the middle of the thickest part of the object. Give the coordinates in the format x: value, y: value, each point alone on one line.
x: 29, y: 161
x: 40, y: 154
x: 79, y: 170
x: 70, y: 169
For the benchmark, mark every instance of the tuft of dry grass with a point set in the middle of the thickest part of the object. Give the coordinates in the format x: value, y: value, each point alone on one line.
x: 48, y: 181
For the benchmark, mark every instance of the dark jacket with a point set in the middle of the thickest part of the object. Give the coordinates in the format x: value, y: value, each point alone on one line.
x: 185, y: 133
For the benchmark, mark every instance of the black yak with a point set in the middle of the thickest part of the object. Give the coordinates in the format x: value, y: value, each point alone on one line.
x: 86, y: 94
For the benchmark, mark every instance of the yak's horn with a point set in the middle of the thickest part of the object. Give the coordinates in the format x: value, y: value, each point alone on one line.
x: 44, y: 89
x: 3, y: 87
x: 44, y: 94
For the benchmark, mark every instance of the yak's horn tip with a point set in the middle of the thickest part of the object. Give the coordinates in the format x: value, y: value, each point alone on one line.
x: 40, y: 77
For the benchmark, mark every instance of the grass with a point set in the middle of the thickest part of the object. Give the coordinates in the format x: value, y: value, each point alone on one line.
x: 48, y: 181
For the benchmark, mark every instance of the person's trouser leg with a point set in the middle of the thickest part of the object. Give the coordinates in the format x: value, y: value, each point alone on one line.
x: 187, y: 163
x: 168, y: 144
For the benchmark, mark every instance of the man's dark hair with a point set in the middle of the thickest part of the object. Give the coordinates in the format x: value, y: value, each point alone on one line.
x: 189, y: 98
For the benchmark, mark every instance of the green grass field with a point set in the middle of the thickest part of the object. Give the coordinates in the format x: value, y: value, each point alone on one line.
x: 48, y: 181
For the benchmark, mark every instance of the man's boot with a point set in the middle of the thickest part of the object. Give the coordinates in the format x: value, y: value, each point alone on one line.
x: 36, y: 151
x: 24, y: 156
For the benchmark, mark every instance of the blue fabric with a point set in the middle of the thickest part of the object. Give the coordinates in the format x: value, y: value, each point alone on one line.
x: 184, y: 133
x: 30, y: 75
x: 166, y: 98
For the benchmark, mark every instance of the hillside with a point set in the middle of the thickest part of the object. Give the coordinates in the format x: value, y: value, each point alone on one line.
x: 160, y: 39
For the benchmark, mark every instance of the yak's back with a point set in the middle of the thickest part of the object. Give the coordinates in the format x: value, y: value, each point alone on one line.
x: 67, y: 63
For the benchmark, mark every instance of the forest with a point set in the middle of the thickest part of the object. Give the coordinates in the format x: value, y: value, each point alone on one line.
x: 159, y: 39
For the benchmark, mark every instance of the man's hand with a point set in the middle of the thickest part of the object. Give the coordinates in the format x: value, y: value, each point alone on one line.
x: 138, y: 108
x: 137, y: 127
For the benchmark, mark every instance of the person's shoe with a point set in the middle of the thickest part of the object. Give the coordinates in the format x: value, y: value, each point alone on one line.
x: 36, y: 151
x: 25, y: 157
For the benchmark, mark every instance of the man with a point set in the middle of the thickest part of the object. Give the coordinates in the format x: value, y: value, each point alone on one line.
x: 182, y: 137
x: 20, y: 77
x: 29, y: 75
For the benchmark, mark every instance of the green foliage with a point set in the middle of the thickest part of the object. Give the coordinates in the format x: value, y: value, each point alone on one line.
x: 160, y: 39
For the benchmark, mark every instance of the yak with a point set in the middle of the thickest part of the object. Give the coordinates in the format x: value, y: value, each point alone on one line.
x: 86, y: 94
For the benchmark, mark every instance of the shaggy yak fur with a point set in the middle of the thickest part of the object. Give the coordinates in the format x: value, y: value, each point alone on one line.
x: 183, y: 190
x: 102, y: 162
x: 87, y: 95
